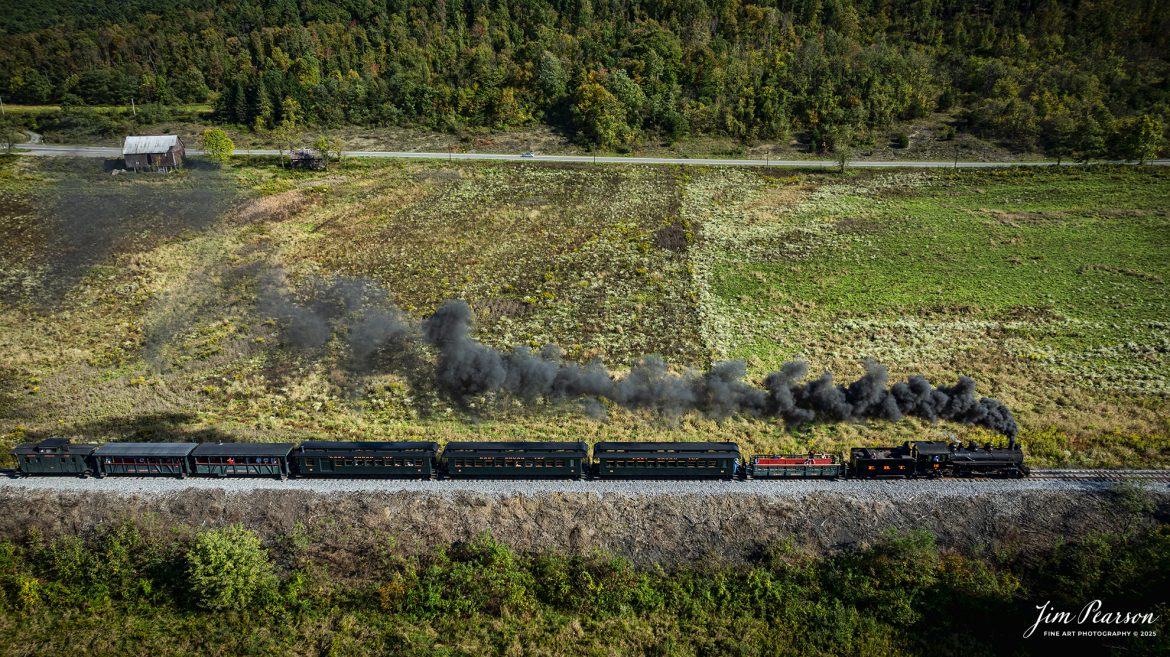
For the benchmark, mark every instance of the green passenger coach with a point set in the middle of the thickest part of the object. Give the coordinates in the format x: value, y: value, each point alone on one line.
x: 516, y: 460
x: 324, y: 458
x: 666, y: 460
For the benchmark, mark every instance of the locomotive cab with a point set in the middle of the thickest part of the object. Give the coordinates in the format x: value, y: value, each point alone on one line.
x: 931, y: 457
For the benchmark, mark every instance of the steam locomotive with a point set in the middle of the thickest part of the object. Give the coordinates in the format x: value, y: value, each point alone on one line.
x: 511, y: 460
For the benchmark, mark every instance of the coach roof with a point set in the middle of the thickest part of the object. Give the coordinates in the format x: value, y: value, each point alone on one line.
x: 145, y: 449
x: 528, y: 447
x: 243, y: 449
x: 684, y: 448
x: 369, y: 446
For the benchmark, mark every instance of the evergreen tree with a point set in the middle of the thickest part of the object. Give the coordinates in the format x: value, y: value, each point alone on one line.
x: 259, y: 112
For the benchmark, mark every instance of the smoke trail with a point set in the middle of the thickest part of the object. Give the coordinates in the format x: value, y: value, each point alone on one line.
x: 467, y: 369
x: 360, y: 310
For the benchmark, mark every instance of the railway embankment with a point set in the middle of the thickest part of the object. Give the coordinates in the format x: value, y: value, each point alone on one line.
x: 647, y: 522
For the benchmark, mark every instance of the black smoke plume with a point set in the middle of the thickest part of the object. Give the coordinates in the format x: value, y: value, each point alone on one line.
x: 358, y: 309
x: 468, y: 369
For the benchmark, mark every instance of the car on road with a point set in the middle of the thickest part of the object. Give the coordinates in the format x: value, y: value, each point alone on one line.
x: 529, y: 154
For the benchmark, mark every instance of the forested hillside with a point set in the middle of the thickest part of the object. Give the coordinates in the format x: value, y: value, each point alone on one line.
x: 1071, y: 77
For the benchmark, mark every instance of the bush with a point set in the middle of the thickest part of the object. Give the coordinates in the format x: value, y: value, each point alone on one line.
x: 1138, y: 138
x: 228, y: 569
x: 217, y: 145
x: 902, y: 140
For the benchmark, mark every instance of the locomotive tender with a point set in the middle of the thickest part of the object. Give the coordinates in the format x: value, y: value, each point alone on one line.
x: 511, y: 460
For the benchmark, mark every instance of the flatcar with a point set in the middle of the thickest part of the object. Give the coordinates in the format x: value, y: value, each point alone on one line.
x: 796, y: 466
x: 515, y: 460
x: 366, y: 459
x: 638, y: 460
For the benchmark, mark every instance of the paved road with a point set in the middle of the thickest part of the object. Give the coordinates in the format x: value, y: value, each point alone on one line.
x: 113, y: 152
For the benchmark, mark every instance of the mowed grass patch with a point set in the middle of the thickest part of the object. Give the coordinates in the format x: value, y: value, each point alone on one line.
x: 992, y: 249
x: 1049, y: 287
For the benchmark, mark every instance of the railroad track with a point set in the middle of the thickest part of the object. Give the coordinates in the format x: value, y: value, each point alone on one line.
x: 1101, y: 475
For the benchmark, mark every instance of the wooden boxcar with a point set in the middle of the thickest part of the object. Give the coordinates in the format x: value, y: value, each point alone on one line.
x: 666, y: 460
x: 241, y: 459
x: 323, y: 458
x: 54, y: 456
x: 149, y: 459
x: 515, y: 460
x: 797, y: 466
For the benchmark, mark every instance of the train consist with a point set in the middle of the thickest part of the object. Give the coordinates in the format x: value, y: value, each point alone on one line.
x: 510, y: 460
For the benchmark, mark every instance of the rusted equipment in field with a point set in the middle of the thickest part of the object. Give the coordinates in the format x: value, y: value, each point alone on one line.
x: 304, y: 158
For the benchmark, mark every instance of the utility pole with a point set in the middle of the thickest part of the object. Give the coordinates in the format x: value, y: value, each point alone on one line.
x: 956, y: 156
x: 2, y: 110
x: 133, y: 109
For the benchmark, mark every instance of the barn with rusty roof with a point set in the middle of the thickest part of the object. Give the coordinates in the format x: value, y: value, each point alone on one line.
x: 153, y: 152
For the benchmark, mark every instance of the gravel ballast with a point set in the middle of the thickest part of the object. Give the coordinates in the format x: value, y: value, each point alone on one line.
x: 663, y: 522
x: 944, y: 487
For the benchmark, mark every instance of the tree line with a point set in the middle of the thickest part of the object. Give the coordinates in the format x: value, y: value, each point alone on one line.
x: 223, y: 590
x: 1070, y: 77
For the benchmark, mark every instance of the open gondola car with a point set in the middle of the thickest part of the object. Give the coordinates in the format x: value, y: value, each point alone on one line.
x: 144, y: 459
x: 54, y: 456
x: 370, y: 459
x: 515, y: 460
x: 241, y: 459
x: 636, y: 460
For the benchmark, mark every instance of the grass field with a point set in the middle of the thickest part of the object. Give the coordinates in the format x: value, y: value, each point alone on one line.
x: 201, y: 108
x: 128, y: 304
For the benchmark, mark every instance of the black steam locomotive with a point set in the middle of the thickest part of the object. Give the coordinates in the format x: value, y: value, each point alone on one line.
x: 511, y: 460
